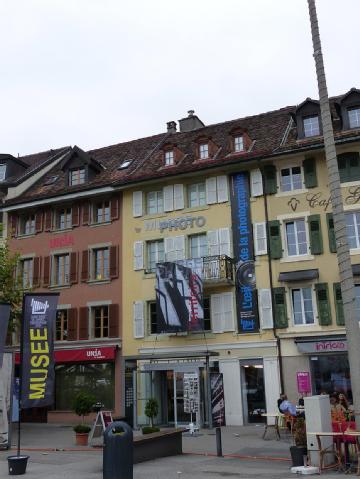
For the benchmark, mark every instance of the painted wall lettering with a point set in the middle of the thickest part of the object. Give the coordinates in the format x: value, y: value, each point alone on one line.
x: 61, y: 241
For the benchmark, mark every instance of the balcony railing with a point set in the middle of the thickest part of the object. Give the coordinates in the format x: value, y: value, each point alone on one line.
x: 219, y: 267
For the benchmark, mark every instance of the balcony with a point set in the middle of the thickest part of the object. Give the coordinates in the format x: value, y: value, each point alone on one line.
x: 218, y: 269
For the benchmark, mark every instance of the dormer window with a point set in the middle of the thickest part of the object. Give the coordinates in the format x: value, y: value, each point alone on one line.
x: 2, y: 172
x: 239, y: 143
x: 354, y: 117
x: 204, y: 151
x: 169, y: 157
x: 77, y: 176
x: 311, y: 126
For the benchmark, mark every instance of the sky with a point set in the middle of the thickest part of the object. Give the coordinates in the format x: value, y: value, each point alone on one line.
x: 99, y: 72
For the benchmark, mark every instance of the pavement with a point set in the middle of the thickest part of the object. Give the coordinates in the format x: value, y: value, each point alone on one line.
x: 54, y: 455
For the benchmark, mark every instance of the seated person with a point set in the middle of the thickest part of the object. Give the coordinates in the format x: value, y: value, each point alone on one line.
x: 287, y: 407
x: 280, y: 400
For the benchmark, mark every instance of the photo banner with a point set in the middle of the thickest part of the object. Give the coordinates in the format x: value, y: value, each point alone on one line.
x: 38, y: 374
x: 4, y: 323
x: 217, y: 399
x: 243, y: 244
x: 179, y: 299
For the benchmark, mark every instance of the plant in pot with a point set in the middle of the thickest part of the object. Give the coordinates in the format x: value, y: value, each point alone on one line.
x: 83, y: 406
x: 300, y: 449
x: 151, y: 411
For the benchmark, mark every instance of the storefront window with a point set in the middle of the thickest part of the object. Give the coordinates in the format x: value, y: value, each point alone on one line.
x: 331, y: 374
x: 96, y: 379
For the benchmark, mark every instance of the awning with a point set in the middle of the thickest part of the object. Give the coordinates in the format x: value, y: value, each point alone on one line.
x: 93, y: 354
x: 300, y: 275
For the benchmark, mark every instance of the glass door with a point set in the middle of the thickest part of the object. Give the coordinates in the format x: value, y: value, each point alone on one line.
x: 253, y: 390
x: 175, y: 399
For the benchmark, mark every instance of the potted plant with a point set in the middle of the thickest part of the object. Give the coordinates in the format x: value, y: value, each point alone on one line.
x: 151, y: 411
x: 83, y: 405
x: 300, y: 449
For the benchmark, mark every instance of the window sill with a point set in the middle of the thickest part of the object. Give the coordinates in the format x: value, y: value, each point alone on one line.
x: 99, y: 281
x: 291, y: 259
x: 346, y: 184
x: 282, y: 194
x: 96, y: 225
x: 59, y: 286
x: 23, y: 236
x: 197, y: 208
x: 149, y: 275
x: 60, y: 231
x: 354, y: 251
x: 154, y: 216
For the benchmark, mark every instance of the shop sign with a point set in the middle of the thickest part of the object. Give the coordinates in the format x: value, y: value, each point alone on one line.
x: 330, y: 346
x: 81, y: 355
x: 303, y: 382
x: 175, y: 224
x: 62, y: 241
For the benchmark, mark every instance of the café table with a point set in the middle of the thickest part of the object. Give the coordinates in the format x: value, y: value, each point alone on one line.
x: 333, y: 449
x: 276, y: 416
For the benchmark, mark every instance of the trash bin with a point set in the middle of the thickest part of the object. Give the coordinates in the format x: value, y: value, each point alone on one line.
x: 17, y: 465
x: 118, y: 451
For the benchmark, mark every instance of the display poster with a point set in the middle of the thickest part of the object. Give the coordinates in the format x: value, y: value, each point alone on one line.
x: 4, y: 322
x: 191, y: 393
x: 6, y: 386
x: 303, y: 382
x: 217, y: 399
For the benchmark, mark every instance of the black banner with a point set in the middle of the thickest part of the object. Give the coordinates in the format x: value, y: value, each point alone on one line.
x: 245, y: 281
x: 4, y: 323
x: 37, y: 379
x: 217, y: 399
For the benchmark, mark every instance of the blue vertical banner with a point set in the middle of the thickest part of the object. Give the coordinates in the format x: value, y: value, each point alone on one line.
x: 243, y: 244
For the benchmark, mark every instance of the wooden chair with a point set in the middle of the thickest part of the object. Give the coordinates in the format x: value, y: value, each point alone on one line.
x: 275, y: 426
x: 333, y: 449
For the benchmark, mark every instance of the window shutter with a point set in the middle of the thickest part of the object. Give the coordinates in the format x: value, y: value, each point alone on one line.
x: 343, y: 169
x: 83, y: 323
x: 274, y: 235
x: 179, y: 244
x: 114, y: 209
x: 73, y: 268
x: 256, y: 184
x: 216, y: 313
x: 339, y: 308
x: 213, y: 242
x: 86, y: 213
x: 354, y: 166
x: 48, y: 220
x: 13, y: 225
x: 169, y: 248
x: 331, y: 232
x: 260, y: 238
x: 85, y: 265
x: 138, y: 255
x: 137, y: 203
x: 36, y: 272
x: 210, y: 186
x: 222, y: 189
x: 114, y: 262
x: 224, y: 241
x: 179, y: 197
x: 114, y: 320
x: 227, y: 311
x: 316, y: 243
x: 38, y: 222
x: 75, y: 215
x: 265, y: 308
x: 280, y: 310
x: 46, y: 277
x: 270, y: 186
x: 139, y: 329
x: 168, y: 192
x: 72, y: 325
x: 322, y: 298
x: 310, y: 178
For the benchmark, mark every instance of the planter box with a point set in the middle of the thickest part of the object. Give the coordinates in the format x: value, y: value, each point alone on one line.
x: 158, y: 444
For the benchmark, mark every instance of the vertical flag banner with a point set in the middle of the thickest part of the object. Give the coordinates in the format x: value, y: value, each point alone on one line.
x: 245, y: 281
x: 217, y: 399
x: 4, y: 323
x: 37, y: 380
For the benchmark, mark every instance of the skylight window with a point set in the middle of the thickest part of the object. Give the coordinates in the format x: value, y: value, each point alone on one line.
x: 125, y: 164
x: 51, y: 180
x: 2, y: 172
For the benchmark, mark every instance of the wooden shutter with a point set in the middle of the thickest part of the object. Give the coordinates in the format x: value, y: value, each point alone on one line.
x: 72, y: 324
x: 343, y: 169
x: 73, y: 268
x: 85, y: 266
x: 222, y: 189
x: 316, y: 243
x: 137, y: 203
x: 46, y: 276
x: 169, y: 248
x: 274, y: 235
x: 168, y: 192
x: 227, y: 311
x: 280, y: 310
x: 224, y: 241
x: 84, y: 323
x: 179, y: 197
x: 270, y: 186
x: 75, y: 215
x: 179, y: 246
x: 13, y: 221
x: 339, y: 307
x: 86, y: 213
x: 114, y: 321
x: 36, y: 272
x: 256, y: 184
x: 38, y: 222
x: 331, y: 232
x: 213, y: 242
x: 210, y: 186
x: 138, y: 255
x: 265, y: 308
x: 114, y: 262
x: 138, y: 319
x: 322, y: 298
x: 310, y: 178
x: 114, y: 209
x: 354, y: 166
x: 260, y: 238
x: 216, y: 313
x: 48, y: 220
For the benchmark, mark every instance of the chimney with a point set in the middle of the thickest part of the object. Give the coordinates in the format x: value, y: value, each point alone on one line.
x: 191, y: 122
x: 171, y: 126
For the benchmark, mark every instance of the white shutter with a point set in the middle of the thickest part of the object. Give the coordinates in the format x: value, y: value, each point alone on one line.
x: 179, y: 197
x: 179, y: 247
x: 227, y: 311
x: 169, y: 247
x: 222, y: 189
x: 224, y: 241
x: 213, y: 242
x: 138, y: 319
x: 260, y: 238
x: 211, y: 196
x: 168, y: 192
x: 265, y: 308
x: 138, y: 255
x: 256, y: 184
x: 215, y: 311
x: 137, y: 203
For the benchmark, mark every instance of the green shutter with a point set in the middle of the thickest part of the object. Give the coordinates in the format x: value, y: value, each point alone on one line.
x: 322, y: 298
x: 274, y: 235
x: 316, y: 243
x: 343, y: 170
x: 270, y: 186
x: 340, y: 319
x: 354, y: 166
x: 280, y: 312
x: 310, y: 178
x: 331, y: 232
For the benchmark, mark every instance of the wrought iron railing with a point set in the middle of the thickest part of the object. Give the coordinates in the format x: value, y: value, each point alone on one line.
x: 218, y: 267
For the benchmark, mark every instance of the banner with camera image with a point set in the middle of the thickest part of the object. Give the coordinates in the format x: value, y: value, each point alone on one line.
x: 243, y: 244
x: 179, y: 298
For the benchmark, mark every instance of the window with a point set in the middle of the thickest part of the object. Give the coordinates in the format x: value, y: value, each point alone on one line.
x: 26, y: 272
x: 77, y: 176
x: 102, y: 212
x: 2, y: 172
x: 152, y: 317
x: 349, y: 167
x: 204, y: 151
x: 296, y: 238
x: 169, y: 158
x: 207, y: 315
x: 61, y: 325
x: 357, y: 297
x: 311, y: 126
x: 154, y: 202
x: 155, y: 254
x: 302, y: 304
x: 353, y: 229
x: 239, y: 143
x: 61, y: 264
x: 354, y: 117
x: 27, y: 225
x: 291, y: 179
x: 198, y: 246
x: 63, y: 219
x: 196, y: 195
x: 100, y: 266
x: 100, y: 321
x: 125, y: 164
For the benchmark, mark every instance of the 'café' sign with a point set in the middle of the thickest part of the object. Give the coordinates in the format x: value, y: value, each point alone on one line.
x: 174, y: 224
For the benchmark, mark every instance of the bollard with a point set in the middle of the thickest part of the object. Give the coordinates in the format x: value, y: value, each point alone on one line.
x: 118, y: 451
x: 218, y: 442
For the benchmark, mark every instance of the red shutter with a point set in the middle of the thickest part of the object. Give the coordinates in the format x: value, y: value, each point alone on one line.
x: 73, y: 268
x: 36, y: 272
x: 85, y: 265
x: 114, y: 209
x: 114, y: 321
x: 114, y: 262
x: 83, y: 323
x: 13, y: 224
x: 48, y: 220
x: 72, y: 325
x: 86, y: 213
x: 46, y: 277
x: 75, y: 212
x: 38, y: 222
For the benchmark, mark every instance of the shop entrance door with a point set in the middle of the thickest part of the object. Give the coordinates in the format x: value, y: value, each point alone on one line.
x: 253, y: 390
x: 175, y: 397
